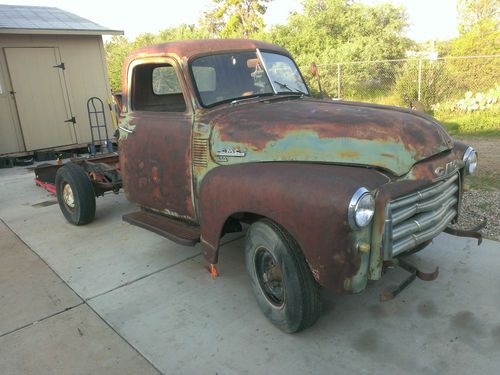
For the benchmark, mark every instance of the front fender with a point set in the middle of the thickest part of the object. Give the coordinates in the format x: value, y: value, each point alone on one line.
x: 308, y: 200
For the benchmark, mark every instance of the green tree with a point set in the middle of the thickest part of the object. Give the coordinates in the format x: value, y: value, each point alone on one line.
x: 119, y: 47
x: 331, y: 31
x: 183, y: 32
x: 474, y: 12
x: 480, y: 35
x: 117, y: 50
x: 235, y: 18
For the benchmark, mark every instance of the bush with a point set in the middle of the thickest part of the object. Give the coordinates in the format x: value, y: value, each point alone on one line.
x: 435, y: 84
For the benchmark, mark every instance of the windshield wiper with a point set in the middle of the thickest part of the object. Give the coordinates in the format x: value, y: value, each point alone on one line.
x: 285, y: 86
x: 236, y: 101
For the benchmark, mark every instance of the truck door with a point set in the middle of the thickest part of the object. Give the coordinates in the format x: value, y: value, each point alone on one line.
x: 155, y: 139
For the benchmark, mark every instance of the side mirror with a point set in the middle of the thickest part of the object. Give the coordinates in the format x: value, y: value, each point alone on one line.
x: 315, y: 72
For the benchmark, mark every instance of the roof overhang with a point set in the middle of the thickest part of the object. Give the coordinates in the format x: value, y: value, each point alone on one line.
x: 60, y: 31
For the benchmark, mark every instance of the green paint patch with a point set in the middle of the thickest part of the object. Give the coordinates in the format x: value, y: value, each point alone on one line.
x: 308, y: 146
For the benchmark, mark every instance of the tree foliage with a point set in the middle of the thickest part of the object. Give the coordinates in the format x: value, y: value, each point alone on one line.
x: 117, y: 50
x: 479, y: 36
x: 474, y: 12
x: 325, y: 31
x: 479, y: 28
x: 119, y: 47
x: 330, y: 31
x: 235, y: 18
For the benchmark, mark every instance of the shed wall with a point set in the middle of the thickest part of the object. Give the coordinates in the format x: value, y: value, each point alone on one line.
x: 85, y: 75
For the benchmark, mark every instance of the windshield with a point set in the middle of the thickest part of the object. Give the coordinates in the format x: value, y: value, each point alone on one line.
x: 283, y: 73
x: 234, y: 76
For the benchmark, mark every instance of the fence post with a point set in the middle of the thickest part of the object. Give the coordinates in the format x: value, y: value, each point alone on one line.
x: 419, y: 78
x: 338, y: 81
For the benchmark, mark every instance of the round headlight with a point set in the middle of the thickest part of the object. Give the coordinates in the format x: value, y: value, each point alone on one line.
x: 470, y: 159
x: 361, y: 208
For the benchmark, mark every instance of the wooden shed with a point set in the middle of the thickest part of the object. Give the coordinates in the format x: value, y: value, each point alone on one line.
x: 51, y: 63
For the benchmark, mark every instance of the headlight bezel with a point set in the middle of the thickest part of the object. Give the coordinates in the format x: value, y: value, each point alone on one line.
x: 358, y: 196
x: 470, y: 159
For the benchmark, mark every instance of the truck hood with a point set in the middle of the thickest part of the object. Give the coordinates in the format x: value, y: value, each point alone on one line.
x: 311, y: 130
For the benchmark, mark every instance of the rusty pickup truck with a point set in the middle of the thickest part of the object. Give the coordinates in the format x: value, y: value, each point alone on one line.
x: 220, y: 136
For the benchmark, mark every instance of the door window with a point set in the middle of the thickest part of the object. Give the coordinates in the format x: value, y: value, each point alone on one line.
x: 156, y: 88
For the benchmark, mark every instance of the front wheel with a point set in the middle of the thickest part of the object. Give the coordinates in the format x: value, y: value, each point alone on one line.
x: 282, y: 282
x: 75, y: 194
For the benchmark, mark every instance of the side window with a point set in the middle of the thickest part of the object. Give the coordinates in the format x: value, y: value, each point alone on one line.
x: 165, y: 81
x: 156, y: 88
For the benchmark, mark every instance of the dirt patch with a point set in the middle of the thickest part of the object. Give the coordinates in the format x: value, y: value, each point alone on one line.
x: 479, y: 204
x: 489, y: 154
x: 482, y: 192
x: 488, y: 172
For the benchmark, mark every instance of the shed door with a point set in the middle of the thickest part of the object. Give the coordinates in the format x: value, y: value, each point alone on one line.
x: 41, y: 97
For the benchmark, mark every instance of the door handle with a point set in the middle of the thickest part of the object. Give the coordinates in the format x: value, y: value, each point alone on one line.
x: 127, y: 130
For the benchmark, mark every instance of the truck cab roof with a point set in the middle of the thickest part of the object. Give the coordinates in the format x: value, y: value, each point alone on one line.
x: 190, y: 48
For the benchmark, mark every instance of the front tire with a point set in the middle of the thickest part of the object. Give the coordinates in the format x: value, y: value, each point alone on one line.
x: 282, y: 282
x: 75, y: 194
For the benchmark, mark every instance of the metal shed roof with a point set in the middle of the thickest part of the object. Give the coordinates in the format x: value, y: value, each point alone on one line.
x: 21, y: 19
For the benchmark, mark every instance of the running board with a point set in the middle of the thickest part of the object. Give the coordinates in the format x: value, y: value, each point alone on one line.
x: 175, y: 230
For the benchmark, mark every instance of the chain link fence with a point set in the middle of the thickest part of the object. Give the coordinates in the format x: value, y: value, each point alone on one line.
x: 407, y: 82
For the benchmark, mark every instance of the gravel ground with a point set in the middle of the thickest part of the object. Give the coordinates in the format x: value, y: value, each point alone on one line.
x: 479, y: 204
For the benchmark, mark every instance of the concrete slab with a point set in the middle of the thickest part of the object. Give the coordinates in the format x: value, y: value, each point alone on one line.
x: 94, y: 258
x: 184, y: 322
x: 73, y: 342
x: 29, y: 290
x: 158, y: 296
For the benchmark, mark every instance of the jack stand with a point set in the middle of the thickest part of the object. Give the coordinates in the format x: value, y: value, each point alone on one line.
x: 414, y: 273
x: 212, y: 268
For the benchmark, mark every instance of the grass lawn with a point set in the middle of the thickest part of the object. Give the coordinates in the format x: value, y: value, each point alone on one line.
x: 482, y: 131
x: 474, y: 124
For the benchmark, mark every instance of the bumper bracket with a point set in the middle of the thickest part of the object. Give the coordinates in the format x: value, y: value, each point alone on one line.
x: 473, y: 232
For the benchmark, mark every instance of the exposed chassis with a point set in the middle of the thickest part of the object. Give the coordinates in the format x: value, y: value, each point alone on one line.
x: 103, y: 172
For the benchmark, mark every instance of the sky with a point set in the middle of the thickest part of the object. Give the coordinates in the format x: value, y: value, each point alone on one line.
x: 429, y: 19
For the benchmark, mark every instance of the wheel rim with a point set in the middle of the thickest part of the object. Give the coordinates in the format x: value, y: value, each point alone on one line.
x: 68, y: 197
x: 270, y: 277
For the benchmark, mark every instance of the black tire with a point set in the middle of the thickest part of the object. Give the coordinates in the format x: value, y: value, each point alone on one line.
x: 293, y: 303
x: 81, y: 209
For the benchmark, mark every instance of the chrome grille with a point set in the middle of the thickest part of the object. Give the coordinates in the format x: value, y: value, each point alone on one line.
x: 418, y: 217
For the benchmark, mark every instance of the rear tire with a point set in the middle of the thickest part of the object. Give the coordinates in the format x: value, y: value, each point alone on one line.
x: 282, y: 282
x: 75, y: 194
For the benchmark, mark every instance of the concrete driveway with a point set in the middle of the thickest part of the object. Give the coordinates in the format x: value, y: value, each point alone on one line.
x: 112, y: 298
